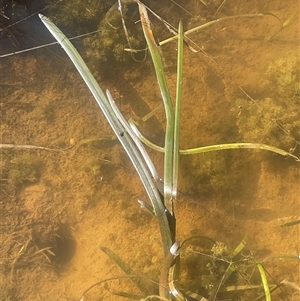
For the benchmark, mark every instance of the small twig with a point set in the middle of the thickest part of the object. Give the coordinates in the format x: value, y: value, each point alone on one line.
x: 42, y: 252
x: 27, y: 146
x: 291, y: 284
x: 155, y: 298
x: 219, y: 8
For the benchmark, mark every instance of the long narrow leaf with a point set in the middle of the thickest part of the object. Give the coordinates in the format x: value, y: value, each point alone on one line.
x: 217, y: 147
x: 169, y: 137
x: 197, y: 28
x: 264, y: 280
x: 133, y: 136
x: 240, y: 246
x: 236, y: 146
x: 125, y: 268
x: 119, y: 130
x: 177, y: 109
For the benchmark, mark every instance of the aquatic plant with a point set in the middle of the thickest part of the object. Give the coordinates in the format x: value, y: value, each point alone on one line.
x: 275, y: 119
x: 284, y: 75
x: 162, y: 206
x: 78, y: 15
x: 108, y: 42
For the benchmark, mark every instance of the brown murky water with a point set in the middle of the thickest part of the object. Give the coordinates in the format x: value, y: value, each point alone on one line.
x: 58, y: 208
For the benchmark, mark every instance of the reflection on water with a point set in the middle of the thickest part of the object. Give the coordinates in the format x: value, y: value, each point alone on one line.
x: 92, y: 187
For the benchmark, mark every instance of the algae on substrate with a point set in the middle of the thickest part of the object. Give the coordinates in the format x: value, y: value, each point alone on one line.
x: 275, y: 119
x: 24, y: 168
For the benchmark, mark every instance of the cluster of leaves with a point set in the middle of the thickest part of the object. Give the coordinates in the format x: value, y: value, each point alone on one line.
x: 108, y: 44
x: 79, y: 16
x: 284, y: 74
x: 274, y: 120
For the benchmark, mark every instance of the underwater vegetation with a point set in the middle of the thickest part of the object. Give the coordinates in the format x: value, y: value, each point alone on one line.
x: 198, y: 267
x: 221, y: 264
x: 284, y: 75
x: 108, y: 42
x: 275, y: 119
